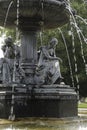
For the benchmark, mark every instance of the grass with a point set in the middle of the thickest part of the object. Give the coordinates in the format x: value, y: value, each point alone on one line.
x: 82, y: 105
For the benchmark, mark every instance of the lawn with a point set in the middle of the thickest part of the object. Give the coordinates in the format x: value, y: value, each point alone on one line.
x: 82, y: 105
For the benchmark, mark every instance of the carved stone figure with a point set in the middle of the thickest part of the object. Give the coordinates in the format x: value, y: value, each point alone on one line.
x: 11, y: 56
x: 48, y: 70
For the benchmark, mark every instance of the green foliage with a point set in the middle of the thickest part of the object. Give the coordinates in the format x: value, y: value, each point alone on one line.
x: 8, y: 32
x: 82, y: 105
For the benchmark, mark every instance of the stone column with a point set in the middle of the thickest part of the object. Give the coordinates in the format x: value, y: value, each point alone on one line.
x: 29, y: 55
x: 29, y: 48
x: 29, y: 27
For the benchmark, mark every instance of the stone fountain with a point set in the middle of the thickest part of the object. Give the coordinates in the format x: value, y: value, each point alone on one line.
x: 30, y: 98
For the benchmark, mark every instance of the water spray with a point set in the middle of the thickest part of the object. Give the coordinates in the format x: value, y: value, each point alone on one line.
x: 42, y: 22
x: 75, y: 59
x: 79, y: 32
x: 6, y: 17
x: 68, y: 57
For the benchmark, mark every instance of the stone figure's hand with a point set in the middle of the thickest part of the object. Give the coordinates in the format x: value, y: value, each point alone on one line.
x: 60, y: 59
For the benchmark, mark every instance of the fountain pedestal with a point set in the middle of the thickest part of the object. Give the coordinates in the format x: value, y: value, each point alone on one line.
x: 27, y: 99
x: 43, y: 101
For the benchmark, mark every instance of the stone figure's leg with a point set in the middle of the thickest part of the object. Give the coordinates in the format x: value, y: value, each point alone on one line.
x: 56, y: 72
x: 6, y: 73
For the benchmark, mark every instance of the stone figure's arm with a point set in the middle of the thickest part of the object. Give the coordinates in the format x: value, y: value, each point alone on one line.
x: 45, y: 52
x: 59, y: 59
x: 55, y: 58
x: 47, y: 55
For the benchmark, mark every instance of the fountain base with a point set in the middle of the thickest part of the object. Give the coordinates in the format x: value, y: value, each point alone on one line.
x: 53, y: 101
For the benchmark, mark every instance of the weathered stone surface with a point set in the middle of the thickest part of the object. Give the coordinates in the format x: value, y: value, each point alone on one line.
x: 25, y: 98
x: 53, y: 13
x: 38, y: 101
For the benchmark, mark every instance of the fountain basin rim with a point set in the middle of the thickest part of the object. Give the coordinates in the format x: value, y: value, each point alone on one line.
x: 54, y: 13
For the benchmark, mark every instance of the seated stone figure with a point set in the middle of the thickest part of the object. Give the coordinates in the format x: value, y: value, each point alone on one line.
x: 11, y: 52
x: 48, y: 70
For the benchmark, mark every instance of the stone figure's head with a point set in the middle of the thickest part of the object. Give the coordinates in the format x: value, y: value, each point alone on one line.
x: 8, y: 41
x: 53, y: 42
